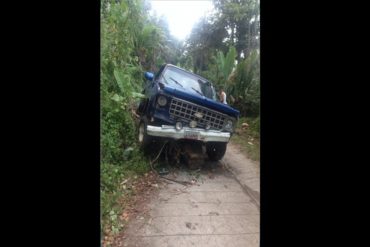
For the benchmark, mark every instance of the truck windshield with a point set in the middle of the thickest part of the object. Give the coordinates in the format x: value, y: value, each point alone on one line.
x: 189, y: 81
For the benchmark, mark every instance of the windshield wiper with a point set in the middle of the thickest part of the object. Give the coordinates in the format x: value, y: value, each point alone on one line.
x: 176, y: 82
x: 197, y: 91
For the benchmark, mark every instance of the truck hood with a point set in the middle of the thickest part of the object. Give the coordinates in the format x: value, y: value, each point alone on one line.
x: 194, y: 97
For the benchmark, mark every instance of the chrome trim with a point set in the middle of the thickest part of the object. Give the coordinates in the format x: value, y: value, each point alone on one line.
x: 204, y: 135
x: 187, y: 111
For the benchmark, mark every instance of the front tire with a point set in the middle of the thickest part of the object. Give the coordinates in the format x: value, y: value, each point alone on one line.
x: 216, y: 150
x: 143, y: 138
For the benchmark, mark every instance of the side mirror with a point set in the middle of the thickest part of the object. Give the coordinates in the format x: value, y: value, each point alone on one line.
x: 149, y: 76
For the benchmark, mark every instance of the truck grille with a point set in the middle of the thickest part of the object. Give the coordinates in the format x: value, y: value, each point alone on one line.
x: 180, y: 109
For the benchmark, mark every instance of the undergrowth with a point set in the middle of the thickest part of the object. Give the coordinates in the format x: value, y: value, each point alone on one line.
x: 248, y: 139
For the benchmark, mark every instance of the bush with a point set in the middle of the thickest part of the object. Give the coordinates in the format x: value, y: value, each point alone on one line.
x: 244, y: 86
x: 117, y: 134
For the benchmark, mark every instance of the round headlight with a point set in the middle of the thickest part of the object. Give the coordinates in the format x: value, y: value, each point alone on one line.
x: 178, y: 126
x: 193, y: 124
x: 162, y: 101
x: 229, y: 125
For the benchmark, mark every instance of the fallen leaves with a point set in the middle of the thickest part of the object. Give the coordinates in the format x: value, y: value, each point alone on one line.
x: 133, y: 204
x: 125, y: 216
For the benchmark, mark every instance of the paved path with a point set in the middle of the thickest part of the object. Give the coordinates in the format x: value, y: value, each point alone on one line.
x: 218, y: 209
x: 246, y: 171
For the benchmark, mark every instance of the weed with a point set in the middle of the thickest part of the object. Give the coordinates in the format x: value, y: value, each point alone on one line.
x: 248, y: 138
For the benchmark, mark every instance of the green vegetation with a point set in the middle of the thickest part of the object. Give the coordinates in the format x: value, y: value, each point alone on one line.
x: 248, y: 139
x: 223, y: 47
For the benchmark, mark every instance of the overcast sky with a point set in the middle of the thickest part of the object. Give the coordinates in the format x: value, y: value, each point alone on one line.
x: 181, y: 15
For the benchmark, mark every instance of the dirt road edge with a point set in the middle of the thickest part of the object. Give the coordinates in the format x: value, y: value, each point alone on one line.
x: 245, y: 172
x: 255, y: 195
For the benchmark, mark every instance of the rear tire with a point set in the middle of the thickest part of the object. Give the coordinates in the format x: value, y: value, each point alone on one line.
x: 216, y: 150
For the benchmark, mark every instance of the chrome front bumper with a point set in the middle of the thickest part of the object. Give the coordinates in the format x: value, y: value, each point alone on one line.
x: 188, y: 133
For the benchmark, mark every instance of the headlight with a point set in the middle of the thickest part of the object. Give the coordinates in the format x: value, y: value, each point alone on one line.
x: 229, y: 125
x: 162, y: 101
x: 178, y: 126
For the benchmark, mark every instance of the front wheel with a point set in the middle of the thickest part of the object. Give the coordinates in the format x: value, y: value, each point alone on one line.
x: 216, y: 150
x: 143, y: 138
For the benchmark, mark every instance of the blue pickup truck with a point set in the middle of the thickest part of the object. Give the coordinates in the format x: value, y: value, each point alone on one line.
x: 182, y: 108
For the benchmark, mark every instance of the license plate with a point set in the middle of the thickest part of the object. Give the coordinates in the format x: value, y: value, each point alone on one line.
x: 191, y: 135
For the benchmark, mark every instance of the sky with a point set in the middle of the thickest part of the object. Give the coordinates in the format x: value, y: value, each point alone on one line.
x: 181, y: 15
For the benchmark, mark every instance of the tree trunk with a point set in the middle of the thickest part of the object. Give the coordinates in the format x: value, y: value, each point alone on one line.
x: 248, y: 48
x: 233, y: 34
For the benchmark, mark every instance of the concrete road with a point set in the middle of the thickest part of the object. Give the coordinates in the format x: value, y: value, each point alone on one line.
x: 245, y: 171
x: 219, y: 208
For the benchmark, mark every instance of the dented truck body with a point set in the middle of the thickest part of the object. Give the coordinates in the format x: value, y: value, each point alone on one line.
x: 181, y: 108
